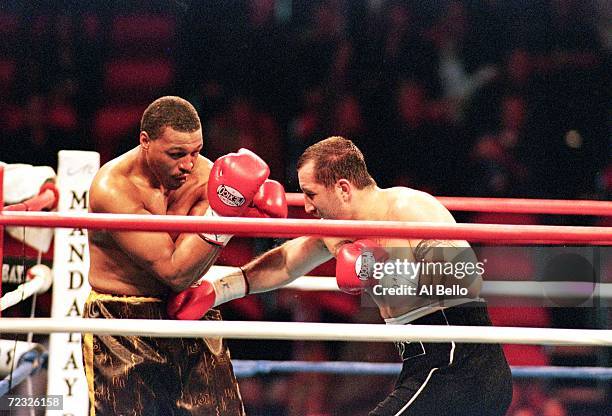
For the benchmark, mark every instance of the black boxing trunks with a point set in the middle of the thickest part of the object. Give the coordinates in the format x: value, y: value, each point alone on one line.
x: 136, y: 375
x: 456, y: 379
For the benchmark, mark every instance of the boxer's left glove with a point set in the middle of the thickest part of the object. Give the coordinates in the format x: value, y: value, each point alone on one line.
x: 355, y: 265
x: 208, y: 292
x: 270, y: 201
x: 234, y: 181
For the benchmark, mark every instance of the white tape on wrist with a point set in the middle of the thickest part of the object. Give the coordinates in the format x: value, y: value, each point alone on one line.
x: 229, y: 286
x: 220, y: 240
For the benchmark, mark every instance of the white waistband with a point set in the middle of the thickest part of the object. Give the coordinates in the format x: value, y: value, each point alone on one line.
x: 427, y: 309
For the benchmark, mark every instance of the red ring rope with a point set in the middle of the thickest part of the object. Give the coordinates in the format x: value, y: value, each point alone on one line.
x: 299, y: 227
x: 509, y: 205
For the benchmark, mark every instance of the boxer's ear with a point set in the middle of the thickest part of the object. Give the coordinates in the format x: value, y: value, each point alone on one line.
x: 145, y: 140
x: 344, y: 187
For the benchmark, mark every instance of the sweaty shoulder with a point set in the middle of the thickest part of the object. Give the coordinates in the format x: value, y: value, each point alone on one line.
x: 112, y: 190
x: 412, y: 205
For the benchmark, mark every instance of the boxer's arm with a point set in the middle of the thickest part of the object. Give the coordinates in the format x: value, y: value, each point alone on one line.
x: 273, y: 269
x: 285, y: 263
x: 176, y: 263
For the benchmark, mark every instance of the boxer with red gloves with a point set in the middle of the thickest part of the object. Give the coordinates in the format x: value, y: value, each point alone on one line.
x: 445, y: 378
x: 132, y: 273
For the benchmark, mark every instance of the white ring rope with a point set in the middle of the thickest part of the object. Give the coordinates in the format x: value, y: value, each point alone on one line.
x: 530, y: 289
x: 308, y: 331
x: 40, y: 279
x: 525, y: 289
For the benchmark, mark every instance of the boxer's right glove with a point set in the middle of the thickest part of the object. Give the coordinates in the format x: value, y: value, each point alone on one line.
x: 210, y: 291
x: 235, y: 179
x: 355, y: 265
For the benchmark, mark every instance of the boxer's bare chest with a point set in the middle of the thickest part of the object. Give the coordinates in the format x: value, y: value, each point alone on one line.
x: 178, y: 202
x: 183, y: 200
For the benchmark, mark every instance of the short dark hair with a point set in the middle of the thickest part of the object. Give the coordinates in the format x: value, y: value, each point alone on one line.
x: 337, y: 158
x: 172, y: 112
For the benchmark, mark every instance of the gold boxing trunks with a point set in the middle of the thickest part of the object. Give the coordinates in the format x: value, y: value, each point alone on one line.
x: 135, y: 375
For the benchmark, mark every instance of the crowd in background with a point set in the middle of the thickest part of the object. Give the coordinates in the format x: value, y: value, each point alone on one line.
x: 473, y: 97
x: 476, y: 98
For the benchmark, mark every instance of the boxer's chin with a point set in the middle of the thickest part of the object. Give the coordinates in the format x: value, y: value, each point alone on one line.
x: 329, y: 215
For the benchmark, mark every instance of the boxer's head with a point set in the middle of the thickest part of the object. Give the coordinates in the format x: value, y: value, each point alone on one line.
x: 329, y: 172
x: 171, y: 137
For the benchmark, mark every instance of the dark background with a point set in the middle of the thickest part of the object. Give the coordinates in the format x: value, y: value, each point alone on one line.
x: 475, y: 98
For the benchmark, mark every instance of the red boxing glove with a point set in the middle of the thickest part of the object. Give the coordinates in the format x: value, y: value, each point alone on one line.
x: 355, y: 265
x: 193, y: 302
x: 208, y: 292
x: 234, y: 181
x: 270, y: 201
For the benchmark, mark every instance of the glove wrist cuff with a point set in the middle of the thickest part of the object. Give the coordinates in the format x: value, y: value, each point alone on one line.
x: 229, y: 287
x: 247, y: 285
x: 219, y: 240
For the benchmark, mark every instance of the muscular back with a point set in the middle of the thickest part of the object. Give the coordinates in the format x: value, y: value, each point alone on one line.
x: 118, y: 188
x: 404, y: 204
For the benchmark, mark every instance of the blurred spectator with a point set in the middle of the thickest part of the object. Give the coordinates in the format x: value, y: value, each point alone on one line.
x: 400, y: 50
x: 553, y: 407
x: 604, y: 183
x: 417, y: 143
x: 498, y: 170
x: 525, y: 412
x: 308, y: 126
x: 47, y: 128
x: 532, y: 399
x: 457, y: 82
x: 242, y: 125
x: 348, y: 119
x: 406, y: 141
x: 265, y: 396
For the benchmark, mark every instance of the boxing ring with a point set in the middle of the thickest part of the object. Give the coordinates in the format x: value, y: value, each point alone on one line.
x: 34, y: 358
